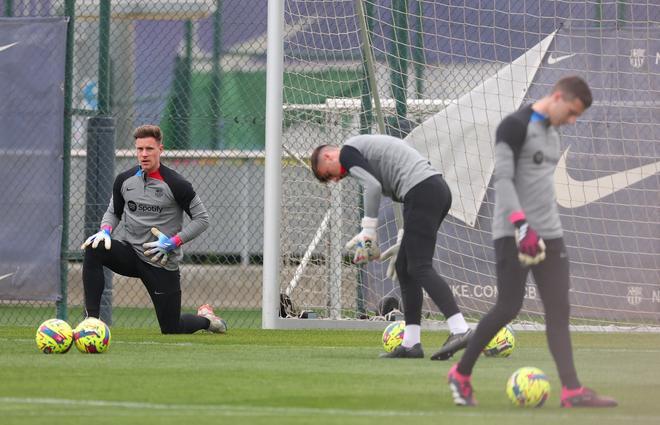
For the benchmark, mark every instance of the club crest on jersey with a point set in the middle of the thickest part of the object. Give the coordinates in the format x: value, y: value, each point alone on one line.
x: 538, y: 157
x: 159, y: 193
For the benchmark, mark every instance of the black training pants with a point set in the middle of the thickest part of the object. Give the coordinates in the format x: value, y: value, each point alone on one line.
x: 424, y: 208
x: 164, y: 286
x: 552, y: 279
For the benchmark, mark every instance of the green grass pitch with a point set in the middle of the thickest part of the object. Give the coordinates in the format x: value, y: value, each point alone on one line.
x: 252, y: 376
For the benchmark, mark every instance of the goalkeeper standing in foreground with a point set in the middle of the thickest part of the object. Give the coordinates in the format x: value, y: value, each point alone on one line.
x: 385, y: 165
x: 150, y: 199
x: 527, y: 234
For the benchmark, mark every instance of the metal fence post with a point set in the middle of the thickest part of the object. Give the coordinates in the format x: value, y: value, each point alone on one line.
x: 61, y: 305
x: 99, y: 179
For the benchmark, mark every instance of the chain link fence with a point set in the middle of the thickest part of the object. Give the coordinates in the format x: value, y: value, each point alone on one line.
x: 197, y: 68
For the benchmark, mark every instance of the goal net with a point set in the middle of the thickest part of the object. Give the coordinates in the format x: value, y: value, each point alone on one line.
x: 442, y: 77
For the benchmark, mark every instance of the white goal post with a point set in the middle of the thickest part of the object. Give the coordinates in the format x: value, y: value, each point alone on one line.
x: 443, y: 86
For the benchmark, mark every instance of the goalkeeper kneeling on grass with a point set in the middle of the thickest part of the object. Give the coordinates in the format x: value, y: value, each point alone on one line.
x: 386, y: 165
x: 150, y: 199
x: 527, y: 150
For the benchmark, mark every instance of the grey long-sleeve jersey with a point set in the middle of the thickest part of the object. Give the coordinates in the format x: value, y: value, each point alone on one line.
x: 527, y: 149
x: 384, y: 165
x: 159, y: 199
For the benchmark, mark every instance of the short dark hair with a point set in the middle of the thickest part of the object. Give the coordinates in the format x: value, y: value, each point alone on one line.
x: 574, y: 86
x: 148, y: 130
x: 314, y: 159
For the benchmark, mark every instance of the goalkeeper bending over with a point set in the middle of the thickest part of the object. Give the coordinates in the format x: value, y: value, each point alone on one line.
x: 527, y: 149
x: 388, y: 166
x: 150, y: 198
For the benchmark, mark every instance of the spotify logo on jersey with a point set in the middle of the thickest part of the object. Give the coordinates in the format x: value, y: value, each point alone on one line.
x: 144, y: 208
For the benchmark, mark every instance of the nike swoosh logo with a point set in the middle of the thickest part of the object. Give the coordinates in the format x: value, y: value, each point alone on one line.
x: 6, y: 276
x: 7, y: 46
x: 556, y: 59
x: 573, y: 193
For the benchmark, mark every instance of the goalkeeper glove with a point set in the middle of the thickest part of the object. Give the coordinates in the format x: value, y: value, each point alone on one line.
x: 102, y: 235
x: 365, y: 242
x: 392, y: 253
x: 531, y: 248
x: 161, y: 248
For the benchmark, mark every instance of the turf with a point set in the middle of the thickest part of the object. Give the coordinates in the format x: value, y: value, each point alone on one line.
x: 252, y: 376
x: 130, y: 317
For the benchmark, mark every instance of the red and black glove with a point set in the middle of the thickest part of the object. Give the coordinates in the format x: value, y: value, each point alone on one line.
x: 531, y: 248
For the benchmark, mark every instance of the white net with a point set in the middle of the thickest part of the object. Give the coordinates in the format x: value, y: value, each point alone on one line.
x: 442, y: 77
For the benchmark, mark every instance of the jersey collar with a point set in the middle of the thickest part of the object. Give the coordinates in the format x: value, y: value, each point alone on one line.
x: 537, y: 116
x: 154, y: 174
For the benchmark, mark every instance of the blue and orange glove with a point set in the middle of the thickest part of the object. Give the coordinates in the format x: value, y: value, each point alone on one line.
x: 161, y: 248
x: 95, y: 239
x: 531, y: 248
x: 365, y: 242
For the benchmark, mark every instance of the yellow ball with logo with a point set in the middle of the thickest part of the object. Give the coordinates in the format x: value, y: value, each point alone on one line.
x: 502, y: 344
x: 54, y: 336
x: 92, y: 336
x: 393, y: 335
x: 528, y: 387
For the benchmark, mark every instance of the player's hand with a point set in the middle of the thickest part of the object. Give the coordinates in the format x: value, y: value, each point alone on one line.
x: 95, y: 239
x: 365, y: 242
x: 392, y: 253
x: 531, y: 248
x: 161, y: 248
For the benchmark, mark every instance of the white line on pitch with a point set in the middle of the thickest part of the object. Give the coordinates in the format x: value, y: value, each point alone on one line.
x: 193, y: 344
x: 237, y: 410
x: 220, y: 408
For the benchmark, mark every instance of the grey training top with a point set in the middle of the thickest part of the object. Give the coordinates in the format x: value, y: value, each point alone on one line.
x: 157, y: 200
x: 527, y: 150
x: 384, y: 165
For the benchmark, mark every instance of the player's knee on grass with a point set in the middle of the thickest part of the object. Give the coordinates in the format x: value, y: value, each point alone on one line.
x: 170, y: 328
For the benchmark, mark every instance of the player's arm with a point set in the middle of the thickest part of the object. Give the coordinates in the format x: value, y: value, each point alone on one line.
x: 199, y: 220
x: 365, y: 242
x: 510, y: 137
x: 356, y: 164
x: 160, y: 249
x: 110, y: 219
x: 187, y: 199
